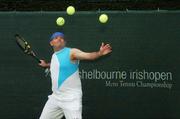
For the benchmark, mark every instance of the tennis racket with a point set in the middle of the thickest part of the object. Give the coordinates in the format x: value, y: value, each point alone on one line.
x: 26, y: 48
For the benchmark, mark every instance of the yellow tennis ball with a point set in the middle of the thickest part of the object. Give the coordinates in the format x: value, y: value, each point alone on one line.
x: 60, y: 21
x: 70, y: 10
x: 103, y: 18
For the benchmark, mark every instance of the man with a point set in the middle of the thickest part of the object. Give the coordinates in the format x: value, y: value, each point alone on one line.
x: 66, y: 99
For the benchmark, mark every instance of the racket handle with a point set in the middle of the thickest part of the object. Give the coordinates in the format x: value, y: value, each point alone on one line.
x: 47, y: 72
x: 37, y: 59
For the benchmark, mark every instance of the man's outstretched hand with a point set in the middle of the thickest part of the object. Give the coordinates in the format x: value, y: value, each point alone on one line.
x: 105, y: 49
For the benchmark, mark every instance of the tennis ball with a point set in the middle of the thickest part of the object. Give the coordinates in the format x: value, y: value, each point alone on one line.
x: 60, y: 21
x: 70, y: 10
x: 103, y: 18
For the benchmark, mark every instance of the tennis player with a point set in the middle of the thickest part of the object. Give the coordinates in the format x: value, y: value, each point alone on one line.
x: 66, y: 99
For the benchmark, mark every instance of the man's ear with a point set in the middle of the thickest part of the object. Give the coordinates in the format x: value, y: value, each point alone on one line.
x: 51, y: 43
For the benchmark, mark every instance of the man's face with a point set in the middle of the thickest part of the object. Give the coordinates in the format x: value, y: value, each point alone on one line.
x: 57, y: 42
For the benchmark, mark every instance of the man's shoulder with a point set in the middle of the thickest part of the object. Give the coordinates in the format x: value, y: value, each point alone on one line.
x: 53, y: 55
x: 75, y: 50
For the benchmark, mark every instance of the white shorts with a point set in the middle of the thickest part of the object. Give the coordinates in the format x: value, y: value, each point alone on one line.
x: 56, y: 109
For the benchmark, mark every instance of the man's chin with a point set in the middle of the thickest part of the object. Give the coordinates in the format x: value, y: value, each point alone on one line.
x: 59, y: 47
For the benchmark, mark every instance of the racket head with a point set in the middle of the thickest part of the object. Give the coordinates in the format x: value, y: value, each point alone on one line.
x: 23, y: 44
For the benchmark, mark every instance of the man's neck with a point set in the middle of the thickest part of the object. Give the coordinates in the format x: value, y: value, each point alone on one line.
x: 58, y: 48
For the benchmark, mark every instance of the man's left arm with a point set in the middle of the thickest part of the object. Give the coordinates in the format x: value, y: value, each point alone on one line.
x: 77, y: 54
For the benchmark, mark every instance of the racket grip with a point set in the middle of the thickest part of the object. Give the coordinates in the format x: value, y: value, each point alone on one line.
x: 47, y: 72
